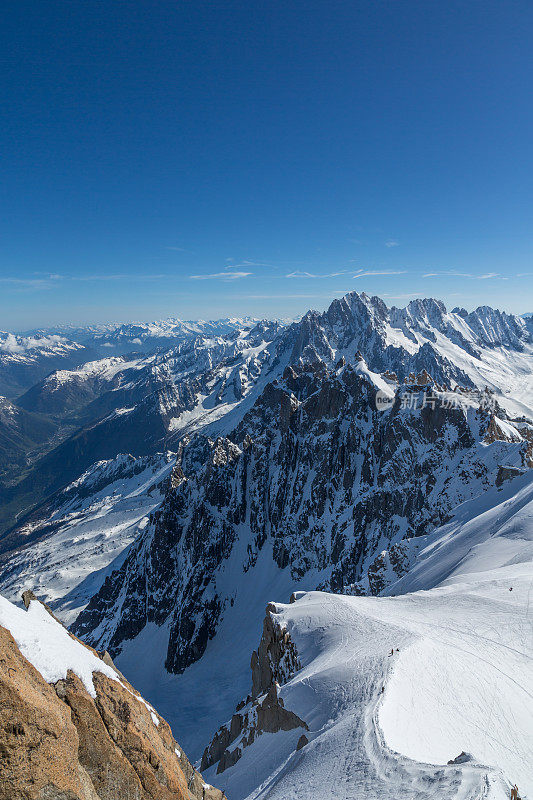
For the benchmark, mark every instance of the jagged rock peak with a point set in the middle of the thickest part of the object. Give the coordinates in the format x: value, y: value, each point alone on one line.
x: 273, y: 663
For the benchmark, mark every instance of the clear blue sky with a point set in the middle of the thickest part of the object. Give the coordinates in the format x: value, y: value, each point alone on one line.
x: 202, y: 159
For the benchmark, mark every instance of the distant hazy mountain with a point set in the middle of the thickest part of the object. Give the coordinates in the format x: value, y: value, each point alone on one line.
x: 119, y: 338
x: 26, y: 359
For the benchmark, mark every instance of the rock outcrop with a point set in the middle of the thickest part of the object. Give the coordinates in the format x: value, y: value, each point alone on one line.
x: 275, y: 661
x: 57, y: 742
x: 276, y: 658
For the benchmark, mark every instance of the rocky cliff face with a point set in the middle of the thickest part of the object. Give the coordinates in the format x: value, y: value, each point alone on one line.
x: 314, y: 475
x: 58, y: 742
x: 273, y: 663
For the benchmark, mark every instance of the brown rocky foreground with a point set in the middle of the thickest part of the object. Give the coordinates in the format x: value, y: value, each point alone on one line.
x: 58, y: 743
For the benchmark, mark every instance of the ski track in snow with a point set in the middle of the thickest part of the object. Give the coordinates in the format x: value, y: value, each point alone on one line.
x: 448, y: 688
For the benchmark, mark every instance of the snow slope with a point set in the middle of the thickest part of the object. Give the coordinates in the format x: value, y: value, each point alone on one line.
x: 491, y: 531
x: 86, y: 535
x: 48, y: 646
x: 459, y: 679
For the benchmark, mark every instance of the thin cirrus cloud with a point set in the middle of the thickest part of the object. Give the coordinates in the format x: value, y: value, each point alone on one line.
x: 227, y: 275
x: 392, y: 243
x: 51, y: 280
x: 27, y: 283
x: 455, y: 274
x: 359, y: 274
x: 365, y: 272
x: 303, y: 274
x: 248, y: 263
x: 120, y: 277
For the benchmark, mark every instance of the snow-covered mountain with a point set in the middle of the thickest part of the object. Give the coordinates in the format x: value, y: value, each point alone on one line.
x: 355, y: 456
x: 120, y: 338
x: 139, y: 405
x: 26, y: 359
x: 319, y: 480
x: 483, y: 348
x: 145, y: 404
x: 160, y: 332
x: 108, y: 383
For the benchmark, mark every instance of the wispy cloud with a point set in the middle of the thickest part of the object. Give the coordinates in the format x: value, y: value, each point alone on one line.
x: 249, y: 263
x: 473, y: 276
x: 177, y: 249
x: 133, y: 276
x: 361, y: 273
x: 364, y: 273
x: 222, y: 276
x: 27, y: 283
x: 303, y: 274
x: 392, y: 243
x: 52, y: 279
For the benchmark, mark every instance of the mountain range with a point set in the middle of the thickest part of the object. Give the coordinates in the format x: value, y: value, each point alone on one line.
x: 162, y: 484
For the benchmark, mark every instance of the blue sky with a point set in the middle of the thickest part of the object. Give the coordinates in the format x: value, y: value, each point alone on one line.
x: 207, y: 159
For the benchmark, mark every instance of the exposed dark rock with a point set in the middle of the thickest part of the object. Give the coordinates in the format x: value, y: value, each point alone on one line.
x: 274, y: 662
x: 276, y: 658
x: 507, y: 474
x: 462, y: 758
